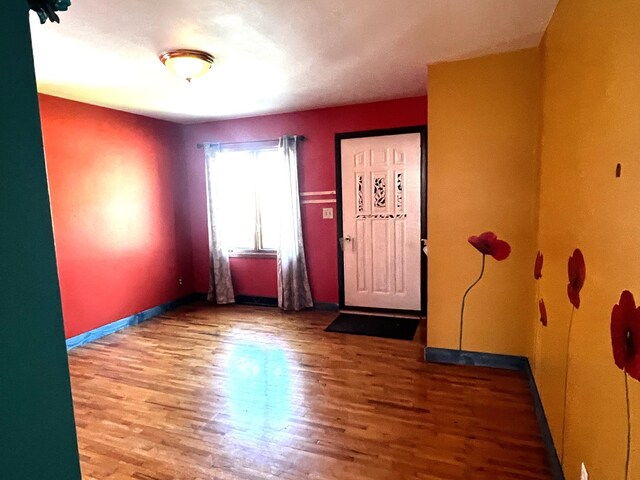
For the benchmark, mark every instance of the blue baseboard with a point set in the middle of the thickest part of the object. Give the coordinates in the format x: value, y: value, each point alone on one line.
x: 256, y: 301
x: 273, y: 302
x: 129, y: 321
x: 326, y: 307
x: 474, y: 359
x: 508, y: 362
x: 552, y: 454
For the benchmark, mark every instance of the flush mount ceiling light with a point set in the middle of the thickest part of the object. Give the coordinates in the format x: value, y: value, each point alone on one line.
x: 187, y: 64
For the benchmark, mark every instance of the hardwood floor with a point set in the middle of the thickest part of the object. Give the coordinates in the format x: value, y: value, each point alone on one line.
x: 252, y: 393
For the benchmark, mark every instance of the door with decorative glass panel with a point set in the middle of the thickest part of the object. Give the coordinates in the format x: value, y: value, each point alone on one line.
x: 381, y: 221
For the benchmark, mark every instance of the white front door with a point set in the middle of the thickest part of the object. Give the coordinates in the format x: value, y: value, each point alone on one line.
x: 381, y: 221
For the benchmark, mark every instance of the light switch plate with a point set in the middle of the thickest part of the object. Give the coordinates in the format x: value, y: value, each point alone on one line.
x: 327, y: 213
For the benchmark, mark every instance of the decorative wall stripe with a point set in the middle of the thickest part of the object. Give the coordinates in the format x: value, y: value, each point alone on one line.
x: 130, y: 321
x: 317, y: 194
x: 304, y: 202
x: 508, y: 362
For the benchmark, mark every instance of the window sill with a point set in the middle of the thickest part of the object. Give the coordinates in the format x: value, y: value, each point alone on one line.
x: 253, y: 254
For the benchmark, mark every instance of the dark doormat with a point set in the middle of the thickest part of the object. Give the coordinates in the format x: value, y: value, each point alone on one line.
x: 374, y: 326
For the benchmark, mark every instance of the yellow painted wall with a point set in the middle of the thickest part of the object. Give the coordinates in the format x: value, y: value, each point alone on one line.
x: 483, y: 175
x: 591, y: 122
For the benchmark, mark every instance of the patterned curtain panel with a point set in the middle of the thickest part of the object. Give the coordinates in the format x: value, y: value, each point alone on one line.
x: 220, y: 286
x: 294, y: 292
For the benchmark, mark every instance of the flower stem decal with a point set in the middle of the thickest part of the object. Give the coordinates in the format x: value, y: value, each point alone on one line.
x: 566, y: 382
x: 626, y: 464
x: 464, y: 298
x: 625, y: 340
x: 487, y: 244
x: 577, y: 272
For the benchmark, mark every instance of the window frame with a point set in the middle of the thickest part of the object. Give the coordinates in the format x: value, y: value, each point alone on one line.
x: 258, y: 251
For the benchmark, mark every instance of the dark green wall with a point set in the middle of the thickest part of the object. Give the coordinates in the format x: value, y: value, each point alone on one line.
x: 37, y: 430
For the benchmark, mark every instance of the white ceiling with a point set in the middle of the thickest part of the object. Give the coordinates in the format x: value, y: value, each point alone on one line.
x: 271, y: 55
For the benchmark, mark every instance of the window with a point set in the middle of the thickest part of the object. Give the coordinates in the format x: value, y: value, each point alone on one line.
x: 250, y: 218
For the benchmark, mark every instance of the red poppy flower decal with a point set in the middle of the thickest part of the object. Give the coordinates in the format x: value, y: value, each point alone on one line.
x: 543, y: 312
x: 577, y: 271
x: 537, y: 269
x: 625, y: 335
x: 487, y: 243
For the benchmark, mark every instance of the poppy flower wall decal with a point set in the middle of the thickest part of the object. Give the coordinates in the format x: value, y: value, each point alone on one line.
x: 625, y: 335
x: 625, y: 340
x: 537, y: 269
x: 486, y: 243
x: 537, y: 274
x: 543, y: 312
x: 542, y: 308
x: 577, y: 273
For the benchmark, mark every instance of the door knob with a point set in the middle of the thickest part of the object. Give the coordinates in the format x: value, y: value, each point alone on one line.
x: 346, y: 238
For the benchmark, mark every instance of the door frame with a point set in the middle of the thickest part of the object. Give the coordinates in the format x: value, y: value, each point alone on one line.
x: 422, y: 130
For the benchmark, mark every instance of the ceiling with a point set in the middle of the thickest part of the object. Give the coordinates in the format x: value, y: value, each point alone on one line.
x: 271, y: 55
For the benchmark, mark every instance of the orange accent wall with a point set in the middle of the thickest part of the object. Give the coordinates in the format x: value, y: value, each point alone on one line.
x: 317, y: 173
x: 483, y: 125
x: 483, y: 175
x: 121, y: 245
x: 591, y: 122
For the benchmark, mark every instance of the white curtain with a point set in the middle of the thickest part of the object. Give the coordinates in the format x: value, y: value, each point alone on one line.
x: 220, y: 286
x: 294, y: 292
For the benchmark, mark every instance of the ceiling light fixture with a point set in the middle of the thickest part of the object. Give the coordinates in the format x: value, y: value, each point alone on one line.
x: 187, y: 64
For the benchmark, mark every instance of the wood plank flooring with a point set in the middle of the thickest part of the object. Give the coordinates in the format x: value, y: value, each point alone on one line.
x: 252, y: 393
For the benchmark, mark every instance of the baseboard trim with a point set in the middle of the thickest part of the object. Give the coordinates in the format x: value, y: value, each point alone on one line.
x: 392, y: 312
x: 273, y: 302
x: 474, y: 359
x: 326, y: 307
x: 508, y: 362
x: 256, y: 301
x: 552, y: 454
x: 135, y: 319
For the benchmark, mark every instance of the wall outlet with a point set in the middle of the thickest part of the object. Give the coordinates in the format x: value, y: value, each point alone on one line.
x: 180, y: 281
x: 327, y: 213
x: 583, y: 473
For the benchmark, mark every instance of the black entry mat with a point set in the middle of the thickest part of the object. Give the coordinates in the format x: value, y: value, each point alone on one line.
x: 374, y: 326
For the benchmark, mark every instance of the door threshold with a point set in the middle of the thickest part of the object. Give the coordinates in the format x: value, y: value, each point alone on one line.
x: 383, y: 313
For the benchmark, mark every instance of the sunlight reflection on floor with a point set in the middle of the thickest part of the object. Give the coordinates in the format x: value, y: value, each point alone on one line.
x: 259, y: 388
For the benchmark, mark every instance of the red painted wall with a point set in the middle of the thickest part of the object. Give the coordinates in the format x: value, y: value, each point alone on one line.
x: 317, y: 173
x: 254, y: 277
x: 122, y: 239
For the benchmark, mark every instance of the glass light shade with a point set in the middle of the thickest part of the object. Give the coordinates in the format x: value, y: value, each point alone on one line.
x: 187, y: 64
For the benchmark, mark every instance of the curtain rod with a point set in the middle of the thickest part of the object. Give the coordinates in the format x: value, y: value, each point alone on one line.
x: 201, y: 145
